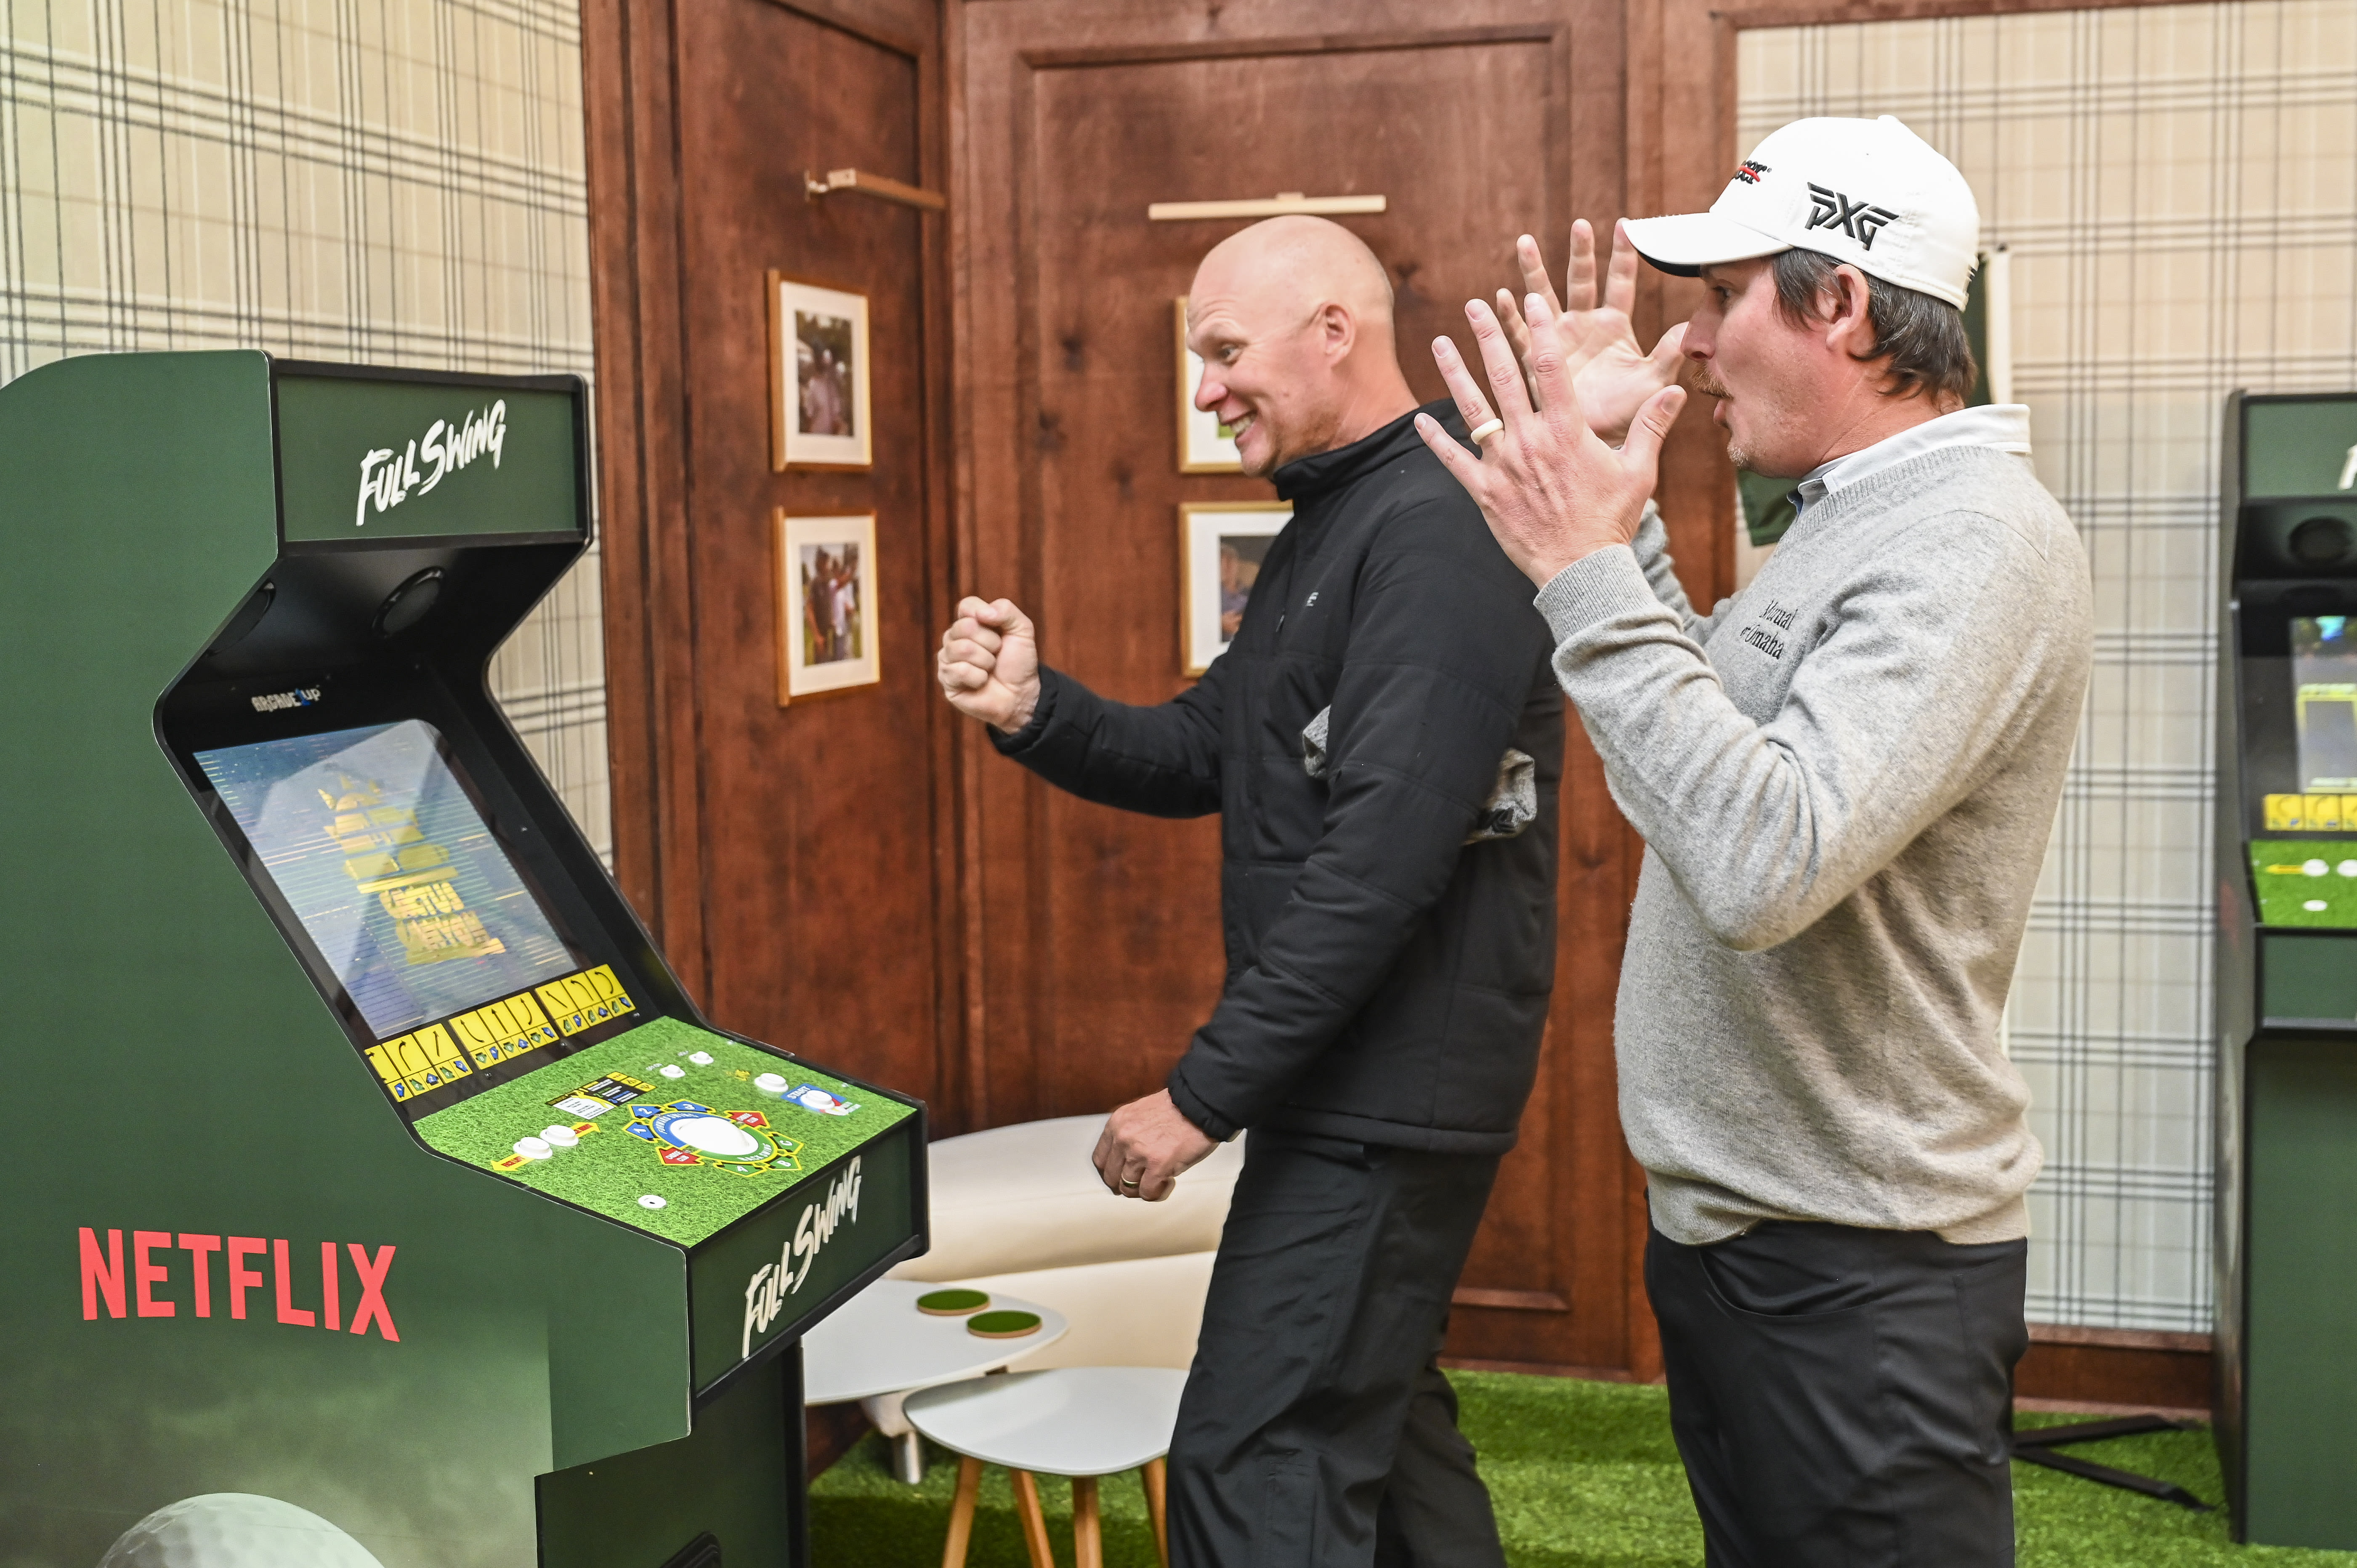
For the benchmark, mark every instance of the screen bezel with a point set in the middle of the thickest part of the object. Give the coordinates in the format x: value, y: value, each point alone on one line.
x: 220, y: 716
x: 2295, y: 687
x: 575, y: 958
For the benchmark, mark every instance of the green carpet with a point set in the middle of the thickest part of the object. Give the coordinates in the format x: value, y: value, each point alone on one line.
x: 1584, y: 1476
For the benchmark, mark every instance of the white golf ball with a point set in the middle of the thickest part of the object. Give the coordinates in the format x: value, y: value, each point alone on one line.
x: 2315, y: 867
x: 235, y: 1530
x: 2347, y: 868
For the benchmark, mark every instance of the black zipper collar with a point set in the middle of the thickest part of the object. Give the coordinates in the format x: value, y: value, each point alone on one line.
x: 1315, y: 475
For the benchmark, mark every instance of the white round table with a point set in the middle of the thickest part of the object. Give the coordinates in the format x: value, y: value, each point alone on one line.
x: 1082, y: 1421
x: 878, y: 1344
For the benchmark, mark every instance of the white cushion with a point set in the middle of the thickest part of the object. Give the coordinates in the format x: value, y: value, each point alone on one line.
x: 1014, y: 1199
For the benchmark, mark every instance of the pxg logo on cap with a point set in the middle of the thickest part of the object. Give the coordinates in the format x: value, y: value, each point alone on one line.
x: 1868, y: 192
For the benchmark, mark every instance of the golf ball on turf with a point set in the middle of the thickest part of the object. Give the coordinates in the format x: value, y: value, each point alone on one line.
x: 235, y: 1530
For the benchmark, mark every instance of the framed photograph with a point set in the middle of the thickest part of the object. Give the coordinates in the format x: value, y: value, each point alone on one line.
x: 1205, y: 446
x: 826, y: 604
x: 1222, y: 545
x: 818, y: 377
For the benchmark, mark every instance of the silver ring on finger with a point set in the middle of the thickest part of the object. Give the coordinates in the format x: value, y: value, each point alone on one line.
x: 1486, y: 429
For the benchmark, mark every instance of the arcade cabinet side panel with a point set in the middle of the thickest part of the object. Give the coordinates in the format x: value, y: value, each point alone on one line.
x: 230, y: 1269
x: 2302, y: 1207
x: 736, y: 1483
x: 2235, y: 982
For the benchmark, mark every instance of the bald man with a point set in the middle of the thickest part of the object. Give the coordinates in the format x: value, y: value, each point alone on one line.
x: 1382, y: 740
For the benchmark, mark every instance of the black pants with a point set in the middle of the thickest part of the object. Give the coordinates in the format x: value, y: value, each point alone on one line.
x: 1316, y: 1430
x: 1842, y: 1398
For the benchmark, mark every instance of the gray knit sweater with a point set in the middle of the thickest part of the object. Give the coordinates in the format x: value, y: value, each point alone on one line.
x: 1845, y: 777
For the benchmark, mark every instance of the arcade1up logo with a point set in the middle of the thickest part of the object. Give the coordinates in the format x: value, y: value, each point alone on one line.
x: 766, y: 1292
x: 390, y: 476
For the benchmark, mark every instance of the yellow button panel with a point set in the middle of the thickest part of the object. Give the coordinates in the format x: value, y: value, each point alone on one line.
x: 2312, y: 813
x: 442, y: 1053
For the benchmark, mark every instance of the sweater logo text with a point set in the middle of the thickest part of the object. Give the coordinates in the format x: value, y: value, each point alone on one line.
x: 1778, y: 615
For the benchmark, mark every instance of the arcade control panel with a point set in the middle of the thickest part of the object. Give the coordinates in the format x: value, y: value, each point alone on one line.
x: 2306, y: 882
x: 666, y: 1127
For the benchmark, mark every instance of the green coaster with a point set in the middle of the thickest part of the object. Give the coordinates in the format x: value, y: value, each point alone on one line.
x: 1002, y: 1325
x: 951, y: 1302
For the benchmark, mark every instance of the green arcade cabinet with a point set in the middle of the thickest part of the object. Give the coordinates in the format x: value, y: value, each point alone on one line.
x: 375, y: 1196
x: 2286, y: 970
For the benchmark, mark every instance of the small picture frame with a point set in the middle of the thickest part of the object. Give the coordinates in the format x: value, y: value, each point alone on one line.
x: 826, y: 604
x: 818, y: 377
x: 1204, y: 444
x: 1221, y: 545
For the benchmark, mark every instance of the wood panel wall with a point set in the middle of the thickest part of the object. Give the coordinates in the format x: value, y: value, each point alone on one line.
x: 792, y: 860
x: 861, y: 876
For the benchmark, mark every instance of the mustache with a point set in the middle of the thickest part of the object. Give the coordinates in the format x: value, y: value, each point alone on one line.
x: 1700, y: 378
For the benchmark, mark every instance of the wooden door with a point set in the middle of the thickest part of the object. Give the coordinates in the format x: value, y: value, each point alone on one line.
x: 1099, y: 947
x: 785, y: 854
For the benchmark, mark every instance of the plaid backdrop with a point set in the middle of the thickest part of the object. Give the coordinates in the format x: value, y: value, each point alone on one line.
x: 398, y: 182
x: 2177, y: 189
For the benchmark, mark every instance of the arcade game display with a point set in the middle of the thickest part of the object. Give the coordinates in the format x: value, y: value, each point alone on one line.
x: 501, y: 1255
x: 2287, y: 969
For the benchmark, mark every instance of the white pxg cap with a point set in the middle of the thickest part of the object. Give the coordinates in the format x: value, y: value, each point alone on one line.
x: 1868, y: 192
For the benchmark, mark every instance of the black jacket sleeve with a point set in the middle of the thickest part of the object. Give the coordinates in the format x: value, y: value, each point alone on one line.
x: 1163, y: 761
x: 1443, y: 647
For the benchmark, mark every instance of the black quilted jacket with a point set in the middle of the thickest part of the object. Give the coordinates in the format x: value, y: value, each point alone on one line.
x: 1386, y: 981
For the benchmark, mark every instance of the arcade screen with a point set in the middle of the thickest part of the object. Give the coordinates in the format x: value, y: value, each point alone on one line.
x: 396, y: 878
x: 2324, y: 684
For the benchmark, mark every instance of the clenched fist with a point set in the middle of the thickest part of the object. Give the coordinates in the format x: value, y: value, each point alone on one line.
x: 989, y: 664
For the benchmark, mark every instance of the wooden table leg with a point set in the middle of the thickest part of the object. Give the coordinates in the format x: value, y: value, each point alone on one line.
x: 969, y: 1485
x: 1157, y: 1476
x: 1034, y: 1523
x: 1088, y: 1533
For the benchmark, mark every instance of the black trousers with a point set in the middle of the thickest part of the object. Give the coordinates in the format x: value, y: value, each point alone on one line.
x: 1316, y: 1430
x: 1842, y: 1398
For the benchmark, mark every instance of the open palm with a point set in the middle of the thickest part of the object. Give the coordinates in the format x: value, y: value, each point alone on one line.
x: 1612, y: 372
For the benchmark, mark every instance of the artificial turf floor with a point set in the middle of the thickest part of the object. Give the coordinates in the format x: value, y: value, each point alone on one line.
x: 1584, y: 1476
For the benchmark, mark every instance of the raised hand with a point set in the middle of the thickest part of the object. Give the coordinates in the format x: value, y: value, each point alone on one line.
x: 989, y: 663
x: 1613, y: 375
x: 1551, y: 489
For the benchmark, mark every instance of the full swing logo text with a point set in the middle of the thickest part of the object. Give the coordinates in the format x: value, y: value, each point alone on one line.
x: 390, y: 476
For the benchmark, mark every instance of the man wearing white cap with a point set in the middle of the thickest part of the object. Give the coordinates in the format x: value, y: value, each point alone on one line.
x: 1845, y: 777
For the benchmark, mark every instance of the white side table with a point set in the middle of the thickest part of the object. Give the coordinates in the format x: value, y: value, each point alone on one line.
x: 878, y: 1344
x: 1080, y: 1422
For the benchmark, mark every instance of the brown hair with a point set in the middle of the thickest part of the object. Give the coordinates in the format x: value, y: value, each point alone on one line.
x: 1922, y: 338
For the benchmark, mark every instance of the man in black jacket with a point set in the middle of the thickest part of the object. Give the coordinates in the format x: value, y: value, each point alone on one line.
x: 1387, y: 889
